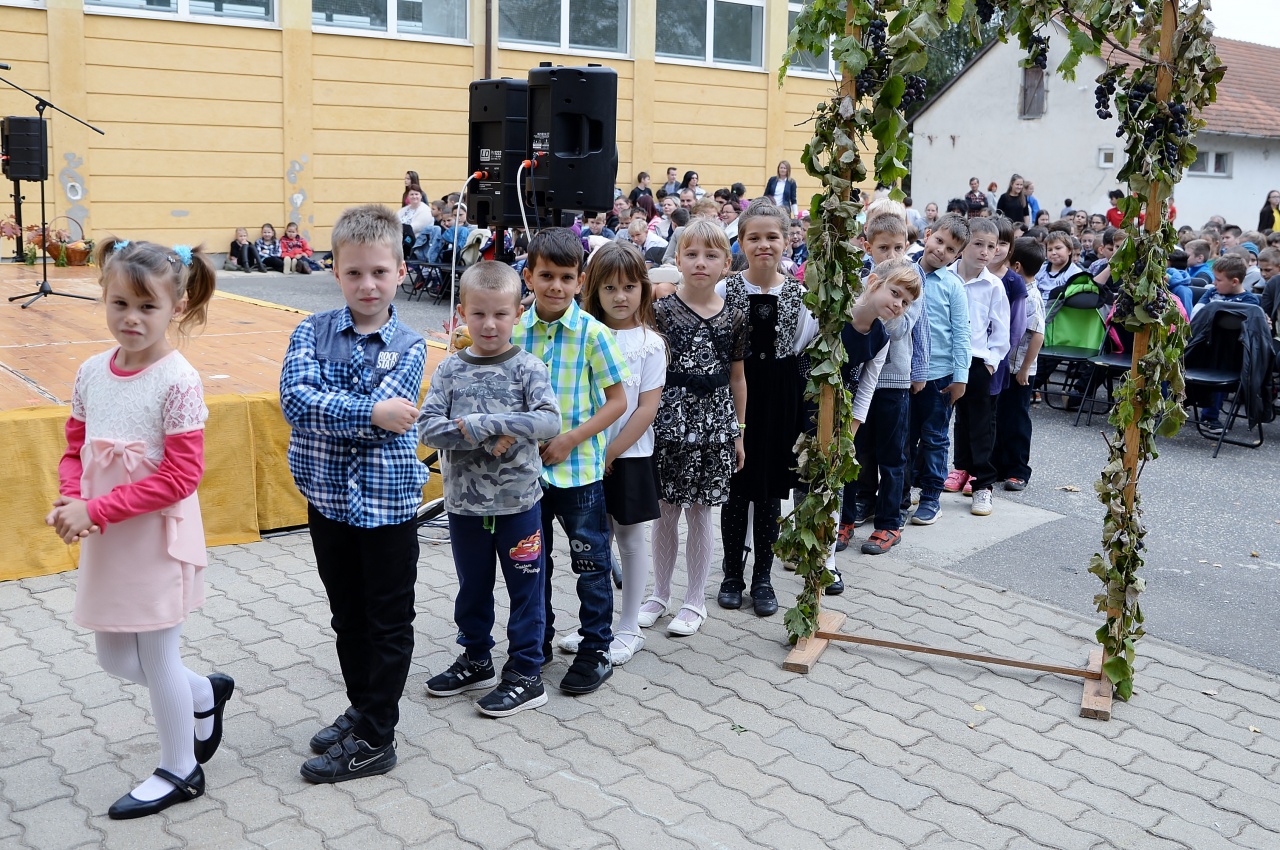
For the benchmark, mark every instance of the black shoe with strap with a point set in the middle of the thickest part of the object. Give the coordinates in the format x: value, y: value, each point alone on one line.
x: 731, y: 588
x: 129, y: 806
x: 762, y: 595
x: 335, y: 731
x: 351, y: 758
x: 223, y: 686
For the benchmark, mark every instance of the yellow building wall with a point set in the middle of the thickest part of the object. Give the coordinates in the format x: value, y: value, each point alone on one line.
x: 210, y: 127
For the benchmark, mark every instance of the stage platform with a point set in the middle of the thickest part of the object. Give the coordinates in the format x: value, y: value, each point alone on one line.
x: 247, y: 488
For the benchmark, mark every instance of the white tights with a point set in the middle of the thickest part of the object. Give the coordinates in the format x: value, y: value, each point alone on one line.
x: 697, y: 552
x: 635, y: 572
x: 153, y: 659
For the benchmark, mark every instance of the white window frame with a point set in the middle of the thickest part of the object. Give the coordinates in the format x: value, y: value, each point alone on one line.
x: 392, y: 31
x: 24, y: 4
x: 1211, y: 157
x: 793, y: 69
x: 1107, y: 156
x: 563, y: 48
x: 710, y: 61
x: 182, y: 13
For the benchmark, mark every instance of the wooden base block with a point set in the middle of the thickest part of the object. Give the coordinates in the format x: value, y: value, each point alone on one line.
x: 806, y: 652
x: 1096, y: 701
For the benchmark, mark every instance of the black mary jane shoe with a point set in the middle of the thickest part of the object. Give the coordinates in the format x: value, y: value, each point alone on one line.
x: 765, y: 600
x: 730, y: 595
x: 223, y: 685
x: 129, y: 806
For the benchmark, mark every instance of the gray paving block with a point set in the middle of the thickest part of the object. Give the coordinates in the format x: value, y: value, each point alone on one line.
x: 138, y: 834
x: 783, y: 833
x: 56, y: 824
x: 1057, y: 774
x: 702, y: 831
x: 483, y: 823
x: 1191, y: 811
x: 327, y: 809
x: 31, y: 783
x: 730, y: 805
x: 1258, y: 838
x: 652, y: 798
x: 629, y: 829
x: 964, y: 823
x: 286, y: 835
x: 1195, y: 835
x: 408, y: 818
x: 34, y: 685
x: 557, y: 827
x: 504, y: 786
x: 255, y: 805
x: 884, y: 784
x: 807, y: 812
x: 359, y: 839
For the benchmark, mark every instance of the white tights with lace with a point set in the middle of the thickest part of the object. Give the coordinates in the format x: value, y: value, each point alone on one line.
x: 697, y: 555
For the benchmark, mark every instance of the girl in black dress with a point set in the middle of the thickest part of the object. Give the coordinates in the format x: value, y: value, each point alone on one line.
x: 779, y: 328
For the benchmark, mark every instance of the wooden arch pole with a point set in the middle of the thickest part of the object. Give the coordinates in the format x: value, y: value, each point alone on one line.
x: 1097, y: 692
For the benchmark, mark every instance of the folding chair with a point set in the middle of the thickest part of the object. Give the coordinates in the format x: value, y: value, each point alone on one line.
x: 1072, y: 336
x: 1113, y: 361
x: 1216, y: 365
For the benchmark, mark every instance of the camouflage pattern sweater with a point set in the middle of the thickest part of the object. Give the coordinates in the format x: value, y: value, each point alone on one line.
x: 506, y: 395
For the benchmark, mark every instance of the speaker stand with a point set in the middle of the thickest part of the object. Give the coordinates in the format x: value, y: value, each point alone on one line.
x: 45, y: 289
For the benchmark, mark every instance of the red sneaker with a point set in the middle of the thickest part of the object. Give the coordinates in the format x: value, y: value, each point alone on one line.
x: 843, y: 535
x: 955, y: 481
x: 881, y: 541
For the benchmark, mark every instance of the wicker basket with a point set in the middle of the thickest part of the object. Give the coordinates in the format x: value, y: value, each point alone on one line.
x: 75, y: 256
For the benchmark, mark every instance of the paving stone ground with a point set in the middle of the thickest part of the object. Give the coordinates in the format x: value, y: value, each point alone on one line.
x: 701, y: 742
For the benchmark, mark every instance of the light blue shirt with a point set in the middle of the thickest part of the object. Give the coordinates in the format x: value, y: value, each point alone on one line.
x: 948, y: 311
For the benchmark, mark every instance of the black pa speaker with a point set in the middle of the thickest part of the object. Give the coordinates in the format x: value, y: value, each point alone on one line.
x: 496, y: 147
x: 24, y: 152
x: 573, y: 137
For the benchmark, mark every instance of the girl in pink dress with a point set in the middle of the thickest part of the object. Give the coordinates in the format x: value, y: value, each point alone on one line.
x: 135, y: 453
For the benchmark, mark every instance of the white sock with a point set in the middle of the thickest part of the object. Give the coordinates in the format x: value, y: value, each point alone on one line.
x: 201, y: 700
x: 633, y: 551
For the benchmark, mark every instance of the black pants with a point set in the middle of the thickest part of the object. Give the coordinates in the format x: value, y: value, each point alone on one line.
x: 368, y: 575
x: 1012, y: 455
x: 246, y: 255
x: 733, y: 534
x: 275, y: 264
x: 975, y: 434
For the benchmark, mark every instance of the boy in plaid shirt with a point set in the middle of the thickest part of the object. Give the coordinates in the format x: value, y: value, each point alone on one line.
x: 587, y: 370
x: 349, y: 388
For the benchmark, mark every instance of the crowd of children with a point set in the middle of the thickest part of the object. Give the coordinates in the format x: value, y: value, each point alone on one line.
x: 599, y: 402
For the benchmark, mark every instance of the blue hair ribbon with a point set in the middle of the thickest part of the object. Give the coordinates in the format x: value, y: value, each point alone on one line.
x: 184, y: 253
x: 120, y: 246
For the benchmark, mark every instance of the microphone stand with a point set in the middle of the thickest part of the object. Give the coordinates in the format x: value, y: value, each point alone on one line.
x: 45, y: 289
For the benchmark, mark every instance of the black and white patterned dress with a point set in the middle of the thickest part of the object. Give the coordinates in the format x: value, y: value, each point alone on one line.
x: 697, y: 424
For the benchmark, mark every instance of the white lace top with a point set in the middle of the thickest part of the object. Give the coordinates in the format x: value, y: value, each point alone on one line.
x: 164, y: 398
x: 646, y: 356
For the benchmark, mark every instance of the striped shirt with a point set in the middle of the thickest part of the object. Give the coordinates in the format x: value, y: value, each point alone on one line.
x: 351, y: 470
x: 583, y: 358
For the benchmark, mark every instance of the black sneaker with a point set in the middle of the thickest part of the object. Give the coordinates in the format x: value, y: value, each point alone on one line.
x: 588, y: 672
x: 515, y: 693
x: 463, y: 675
x: 351, y: 758
x: 336, y: 731
x: 863, y: 514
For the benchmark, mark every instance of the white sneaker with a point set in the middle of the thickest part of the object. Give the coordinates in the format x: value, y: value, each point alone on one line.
x: 981, y: 503
x: 915, y: 495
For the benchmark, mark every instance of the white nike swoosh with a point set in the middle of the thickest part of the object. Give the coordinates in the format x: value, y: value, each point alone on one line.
x: 356, y: 765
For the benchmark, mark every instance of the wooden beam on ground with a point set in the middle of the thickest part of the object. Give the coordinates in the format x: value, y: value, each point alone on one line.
x: 1096, y: 702
x: 1076, y: 672
x: 806, y: 652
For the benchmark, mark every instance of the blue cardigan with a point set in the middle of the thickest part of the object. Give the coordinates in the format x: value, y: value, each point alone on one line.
x: 788, y: 191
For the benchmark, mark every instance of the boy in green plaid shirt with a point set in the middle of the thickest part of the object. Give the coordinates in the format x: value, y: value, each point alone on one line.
x: 587, y: 370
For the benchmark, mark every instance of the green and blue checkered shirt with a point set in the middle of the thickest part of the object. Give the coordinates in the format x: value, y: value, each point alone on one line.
x: 583, y: 358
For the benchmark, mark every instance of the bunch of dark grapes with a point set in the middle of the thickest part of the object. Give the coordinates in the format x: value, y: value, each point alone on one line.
x: 1103, y: 93
x: 1124, y: 306
x: 872, y: 76
x: 986, y: 10
x: 915, y: 90
x: 1038, y: 50
x: 1158, y: 304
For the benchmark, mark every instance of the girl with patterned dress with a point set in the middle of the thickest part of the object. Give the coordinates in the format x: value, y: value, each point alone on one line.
x: 135, y: 453
x: 697, y: 433
x: 779, y: 328
x: 617, y: 292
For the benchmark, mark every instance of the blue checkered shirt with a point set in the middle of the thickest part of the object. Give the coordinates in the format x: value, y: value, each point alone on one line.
x: 348, y: 468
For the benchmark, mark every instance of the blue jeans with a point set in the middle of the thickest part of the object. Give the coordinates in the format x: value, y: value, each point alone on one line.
x: 927, y: 441
x: 882, y: 453
x: 515, y: 541
x: 582, y: 515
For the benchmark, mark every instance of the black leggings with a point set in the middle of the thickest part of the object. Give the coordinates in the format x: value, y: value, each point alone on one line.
x: 275, y: 264
x: 733, y: 531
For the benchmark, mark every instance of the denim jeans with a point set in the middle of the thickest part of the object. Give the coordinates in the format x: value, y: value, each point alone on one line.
x: 927, y: 440
x: 515, y: 542
x: 582, y: 515
x: 881, y: 450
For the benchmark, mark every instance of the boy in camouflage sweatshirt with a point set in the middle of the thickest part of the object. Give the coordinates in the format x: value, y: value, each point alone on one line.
x: 487, y: 409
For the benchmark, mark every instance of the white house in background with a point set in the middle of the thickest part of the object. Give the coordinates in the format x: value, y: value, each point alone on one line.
x: 996, y: 118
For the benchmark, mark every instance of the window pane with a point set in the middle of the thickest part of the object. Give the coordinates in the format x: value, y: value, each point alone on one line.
x: 445, y: 18
x: 682, y: 29
x: 1221, y: 163
x: 1201, y: 165
x: 804, y: 60
x: 254, y: 10
x: 529, y: 21
x: 352, y: 14
x: 739, y: 33
x: 141, y: 5
x: 598, y: 25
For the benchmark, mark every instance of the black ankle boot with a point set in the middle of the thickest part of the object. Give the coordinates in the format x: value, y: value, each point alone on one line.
x: 766, y: 602
x: 732, y: 586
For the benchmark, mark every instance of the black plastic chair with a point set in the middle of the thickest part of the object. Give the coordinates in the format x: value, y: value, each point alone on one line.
x: 1215, y: 366
x: 1108, y: 364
